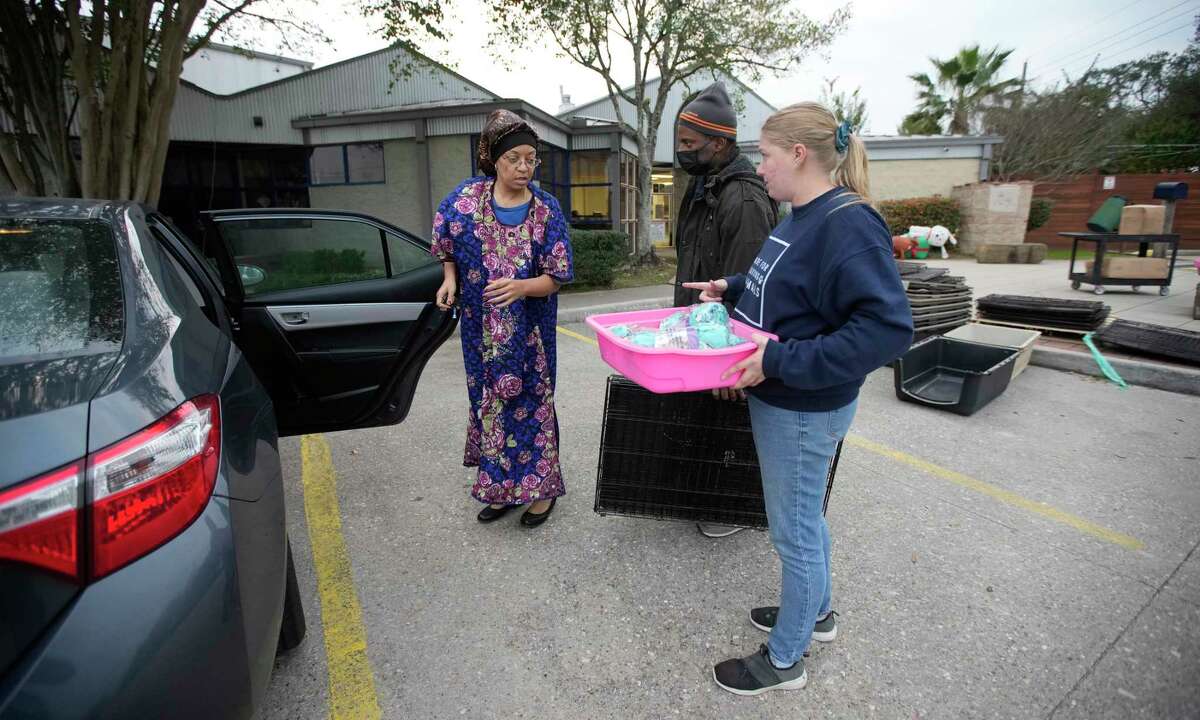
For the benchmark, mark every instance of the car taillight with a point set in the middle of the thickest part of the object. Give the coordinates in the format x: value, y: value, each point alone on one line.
x: 145, y: 489
x: 39, y: 521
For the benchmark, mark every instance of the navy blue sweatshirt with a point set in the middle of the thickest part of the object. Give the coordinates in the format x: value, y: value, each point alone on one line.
x: 826, y: 284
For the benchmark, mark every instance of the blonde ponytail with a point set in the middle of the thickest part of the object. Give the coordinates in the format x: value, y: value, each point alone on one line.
x: 852, y: 172
x: 814, y: 126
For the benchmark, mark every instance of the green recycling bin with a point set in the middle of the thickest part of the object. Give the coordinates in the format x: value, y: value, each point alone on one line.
x: 1108, y: 218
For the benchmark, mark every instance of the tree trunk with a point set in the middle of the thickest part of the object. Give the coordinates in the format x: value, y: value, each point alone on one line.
x: 644, y: 247
x: 13, y: 167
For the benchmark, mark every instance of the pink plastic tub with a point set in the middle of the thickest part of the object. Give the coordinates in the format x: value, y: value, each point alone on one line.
x: 668, y: 370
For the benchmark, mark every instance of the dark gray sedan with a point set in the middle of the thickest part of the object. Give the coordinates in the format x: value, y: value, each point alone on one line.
x: 144, y: 381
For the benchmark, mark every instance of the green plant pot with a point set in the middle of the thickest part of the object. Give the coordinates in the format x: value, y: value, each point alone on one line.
x: 1108, y: 218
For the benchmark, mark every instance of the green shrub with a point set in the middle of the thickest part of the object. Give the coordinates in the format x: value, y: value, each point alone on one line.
x: 925, y: 212
x: 1039, y: 213
x: 598, y: 253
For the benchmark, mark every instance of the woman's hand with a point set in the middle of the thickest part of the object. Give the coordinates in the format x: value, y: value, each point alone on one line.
x: 710, y: 291
x: 504, y: 292
x: 445, y: 294
x: 752, y: 366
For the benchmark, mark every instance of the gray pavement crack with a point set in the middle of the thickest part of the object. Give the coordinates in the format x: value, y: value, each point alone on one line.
x: 1154, y: 596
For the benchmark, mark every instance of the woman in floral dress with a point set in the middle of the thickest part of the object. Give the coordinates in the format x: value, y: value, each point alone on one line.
x: 503, y: 243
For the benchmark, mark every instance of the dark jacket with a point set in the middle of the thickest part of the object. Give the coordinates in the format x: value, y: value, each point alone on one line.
x: 720, y: 233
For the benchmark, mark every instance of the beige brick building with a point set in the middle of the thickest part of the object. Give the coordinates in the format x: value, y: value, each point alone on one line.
x: 926, y: 165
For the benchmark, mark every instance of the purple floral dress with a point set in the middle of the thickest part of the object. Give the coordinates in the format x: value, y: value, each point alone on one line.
x: 509, y: 353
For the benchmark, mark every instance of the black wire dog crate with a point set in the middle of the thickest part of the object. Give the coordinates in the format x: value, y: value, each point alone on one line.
x: 680, y: 456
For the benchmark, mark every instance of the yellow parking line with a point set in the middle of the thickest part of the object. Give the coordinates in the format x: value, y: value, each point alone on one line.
x: 351, y: 682
x: 997, y: 493
x: 979, y: 486
x: 573, y: 334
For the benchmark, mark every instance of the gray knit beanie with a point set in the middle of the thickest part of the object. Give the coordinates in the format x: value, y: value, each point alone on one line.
x: 711, y: 113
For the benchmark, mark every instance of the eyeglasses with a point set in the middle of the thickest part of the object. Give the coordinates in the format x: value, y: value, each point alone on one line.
x: 517, y: 161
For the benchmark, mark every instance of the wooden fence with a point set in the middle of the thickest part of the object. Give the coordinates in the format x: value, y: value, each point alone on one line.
x: 1076, y: 200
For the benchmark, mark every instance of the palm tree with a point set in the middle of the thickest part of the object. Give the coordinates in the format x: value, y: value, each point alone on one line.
x: 966, y: 83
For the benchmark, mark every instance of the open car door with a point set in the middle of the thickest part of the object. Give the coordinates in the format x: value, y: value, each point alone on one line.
x: 335, y: 311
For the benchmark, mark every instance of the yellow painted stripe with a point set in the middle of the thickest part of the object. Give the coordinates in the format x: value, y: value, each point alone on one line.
x: 573, y: 334
x: 351, y: 682
x: 997, y: 493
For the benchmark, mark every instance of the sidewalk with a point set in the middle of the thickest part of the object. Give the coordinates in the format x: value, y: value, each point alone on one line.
x: 574, y: 307
x: 1048, y: 279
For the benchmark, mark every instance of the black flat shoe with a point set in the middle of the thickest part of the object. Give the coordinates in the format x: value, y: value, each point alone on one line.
x: 532, y: 519
x: 490, y: 514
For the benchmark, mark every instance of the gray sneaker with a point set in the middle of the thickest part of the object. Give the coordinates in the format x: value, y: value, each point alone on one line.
x: 755, y: 675
x: 824, y: 631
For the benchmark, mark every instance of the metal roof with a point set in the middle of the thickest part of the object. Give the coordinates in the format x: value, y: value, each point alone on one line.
x: 365, y: 84
x: 246, y: 52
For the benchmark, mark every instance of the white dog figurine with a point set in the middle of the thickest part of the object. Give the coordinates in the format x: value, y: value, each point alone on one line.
x: 938, y: 235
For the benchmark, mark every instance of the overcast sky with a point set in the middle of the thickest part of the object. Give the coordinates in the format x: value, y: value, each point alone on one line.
x: 884, y: 43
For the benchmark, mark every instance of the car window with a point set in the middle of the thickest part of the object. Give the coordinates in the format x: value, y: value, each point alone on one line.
x: 406, y: 255
x: 60, y: 288
x: 184, y: 276
x: 291, y: 253
x: 180, y: 272
x: 163, y: 225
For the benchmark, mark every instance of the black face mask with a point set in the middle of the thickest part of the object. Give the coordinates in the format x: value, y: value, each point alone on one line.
x: 691, y: 163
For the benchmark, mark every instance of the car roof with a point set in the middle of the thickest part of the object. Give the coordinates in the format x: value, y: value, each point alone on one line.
x: 60, y: 208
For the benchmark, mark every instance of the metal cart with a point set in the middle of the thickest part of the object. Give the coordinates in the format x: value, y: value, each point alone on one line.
x: 1103, y: 240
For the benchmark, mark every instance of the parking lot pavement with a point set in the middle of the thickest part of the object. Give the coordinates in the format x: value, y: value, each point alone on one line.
x: 1035, y: 560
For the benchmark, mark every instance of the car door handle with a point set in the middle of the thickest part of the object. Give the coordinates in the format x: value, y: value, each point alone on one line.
x: 294, y: 318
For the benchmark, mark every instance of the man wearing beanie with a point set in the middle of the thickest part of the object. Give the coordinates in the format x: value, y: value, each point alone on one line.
x: 726, y: 214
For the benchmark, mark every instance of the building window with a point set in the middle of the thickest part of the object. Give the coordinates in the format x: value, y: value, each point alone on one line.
x: 662, y: 185
x: 552, y: 175
x: 590, y: 189
x: 629, y: 194
x: 358, y: 164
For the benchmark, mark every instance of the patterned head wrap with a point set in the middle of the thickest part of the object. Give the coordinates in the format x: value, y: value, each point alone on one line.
x: 499, y: 125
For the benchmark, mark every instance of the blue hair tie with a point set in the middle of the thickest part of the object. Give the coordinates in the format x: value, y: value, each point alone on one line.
x: 841, y: 139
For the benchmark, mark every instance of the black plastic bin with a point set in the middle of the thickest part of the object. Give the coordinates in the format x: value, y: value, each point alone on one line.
x: 680, y: 456
x: 953, y: 375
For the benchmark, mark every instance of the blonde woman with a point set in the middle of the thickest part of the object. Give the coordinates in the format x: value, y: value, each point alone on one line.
x: 825, y: 283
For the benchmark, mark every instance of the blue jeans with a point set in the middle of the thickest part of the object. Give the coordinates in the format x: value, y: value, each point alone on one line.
x: 795, y: 449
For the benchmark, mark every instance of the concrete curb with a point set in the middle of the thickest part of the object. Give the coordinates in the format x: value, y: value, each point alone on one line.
x: 577, y: 315
x: 1134, y: 372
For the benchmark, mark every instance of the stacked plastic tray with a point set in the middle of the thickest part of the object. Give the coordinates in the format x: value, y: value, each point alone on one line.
x: 940, y: 303
x: 1151, y: 339
x: 1079, y: 316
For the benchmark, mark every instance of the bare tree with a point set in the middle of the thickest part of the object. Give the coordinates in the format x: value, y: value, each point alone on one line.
x: 1057, y: 133
x: 671, y: 39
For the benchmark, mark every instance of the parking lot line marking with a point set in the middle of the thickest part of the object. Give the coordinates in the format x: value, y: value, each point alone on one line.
x: 351, y: 681
x: 1005, y: 496
x: 573, y: 334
